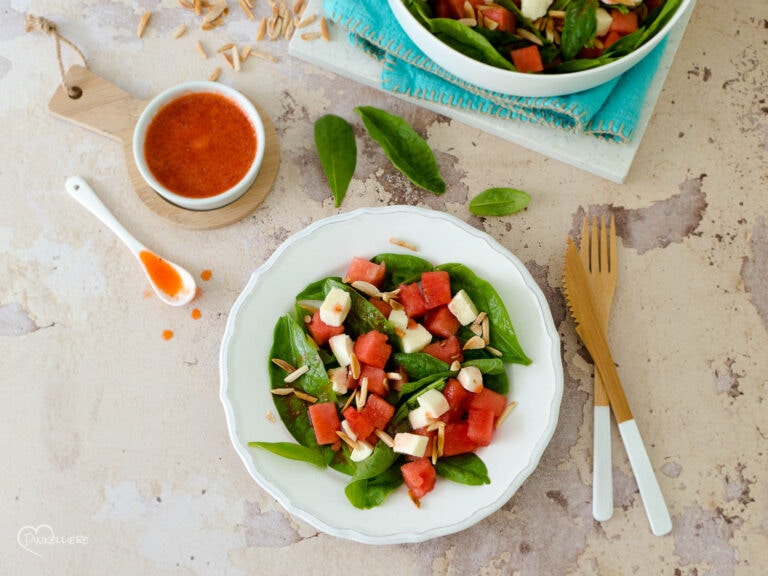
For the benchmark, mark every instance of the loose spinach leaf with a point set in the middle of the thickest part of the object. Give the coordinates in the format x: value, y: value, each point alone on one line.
x: 407, y: 151
x: 499, y: 202
x: 465, y: 469
x: 579, y: 27
x: 370, y: 492
x: 401, y: 269
x: 485, y: 297
x: 336, y: 147
x: 294, y: 452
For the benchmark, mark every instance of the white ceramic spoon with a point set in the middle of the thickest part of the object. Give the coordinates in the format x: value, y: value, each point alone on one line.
x: 172, y: 283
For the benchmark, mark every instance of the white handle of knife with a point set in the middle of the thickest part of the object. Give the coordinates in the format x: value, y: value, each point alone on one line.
x: 650, y: 491
x: 602, y: 467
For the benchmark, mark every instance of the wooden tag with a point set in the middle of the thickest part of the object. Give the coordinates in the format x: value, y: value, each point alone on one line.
x: 108, y: 110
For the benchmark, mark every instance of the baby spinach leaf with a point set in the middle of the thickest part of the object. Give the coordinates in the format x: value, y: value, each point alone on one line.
x: 420, y: 365
x: 370, y: 492
x: 382, y: 458
x: 315, y: 290
x: 485, y: 297
x: 464, y: 39
x: 401, y: 269
x: 499, y: 202
x: 336, y: 147
x: 292, y: 345
x: 579, y: 27
x: 407, y: 151
x: 488, y: 366
x: 465, y: 469
x: 294, y: 452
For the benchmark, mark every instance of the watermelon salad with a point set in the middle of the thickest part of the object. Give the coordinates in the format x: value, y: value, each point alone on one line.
x: 394, y: 374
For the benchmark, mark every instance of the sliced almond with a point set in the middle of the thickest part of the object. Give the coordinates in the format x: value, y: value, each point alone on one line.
x: 262, y: 29
x: 143, y: 22
x: 455, y: 366
x: 474, y: 343
x: 415, y: 500
x: 304, y: 396
x: 215, y: 74
x: 201, y: 49
x: 354, y: 366
x: 384, y: 437
x: 306, y: 21
x: 179, y: 31
x: 394, y: 376
x: 363, y: 396
x: 310, y: 36
x: 296, y: 374
x: 324, y: 29
x: 440, y: 441
x: 523, y: 33
x: 225, y: 48
x: 365, y: 287
x: 471, y: 22
x: 503, y: 416
x: 282, y: 391
x: 494, y: 351
x: 404, y: 244
x: 283, y: 364
x: 247, y: 9
x: 235, y: 58
x: 347, y: 439
x: 486, y: 326
x: 264, y: 56
x: 349, y: 401
x: 271, y: 417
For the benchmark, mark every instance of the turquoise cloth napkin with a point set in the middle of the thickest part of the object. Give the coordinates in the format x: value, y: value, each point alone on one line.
x: 609, y: 111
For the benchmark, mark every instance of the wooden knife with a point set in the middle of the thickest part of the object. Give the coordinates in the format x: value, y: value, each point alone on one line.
x: 588, y: 328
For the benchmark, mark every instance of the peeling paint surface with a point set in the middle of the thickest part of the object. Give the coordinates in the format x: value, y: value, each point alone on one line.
x: 115, y: 445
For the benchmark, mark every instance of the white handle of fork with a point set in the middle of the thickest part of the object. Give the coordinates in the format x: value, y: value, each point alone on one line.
x: 602, y: 466
x: 650, y: 491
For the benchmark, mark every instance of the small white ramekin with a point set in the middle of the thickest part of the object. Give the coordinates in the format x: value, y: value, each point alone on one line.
x: 211, y: 202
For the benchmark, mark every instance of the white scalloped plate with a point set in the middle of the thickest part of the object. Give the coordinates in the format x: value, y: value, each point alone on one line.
x: 317, y: 496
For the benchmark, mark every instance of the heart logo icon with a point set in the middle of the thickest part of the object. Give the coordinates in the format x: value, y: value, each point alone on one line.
x: 30, y: 536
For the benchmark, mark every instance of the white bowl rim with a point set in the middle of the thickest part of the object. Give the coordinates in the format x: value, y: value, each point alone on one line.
x: 513, y: 83
x: 192, y: 87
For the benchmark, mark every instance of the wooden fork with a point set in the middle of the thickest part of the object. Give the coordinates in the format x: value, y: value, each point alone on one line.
x: 598, y: 255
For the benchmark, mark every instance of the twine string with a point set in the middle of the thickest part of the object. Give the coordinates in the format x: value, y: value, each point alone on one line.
x: 38, y: 23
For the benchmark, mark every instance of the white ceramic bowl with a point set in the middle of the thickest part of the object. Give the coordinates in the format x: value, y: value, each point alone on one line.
x: 517, y: 83
x: 156, y: 104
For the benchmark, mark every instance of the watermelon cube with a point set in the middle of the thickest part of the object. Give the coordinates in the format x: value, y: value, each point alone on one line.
x: 487, y: 399
x: 320, y: 331
x: 457, y: 440
x: 365, y: 271
x: 457, y: 397
x: 436, y: 287
x: 376, y: 379
x: 372, y: 348
x: 441, y: 322
x: 419, y: 476
x: 378, y: 411
x: 448, y: 350
x: 412, y: 299
x: 325, y: 421
x: 480, y: 429
x: 359, y: 423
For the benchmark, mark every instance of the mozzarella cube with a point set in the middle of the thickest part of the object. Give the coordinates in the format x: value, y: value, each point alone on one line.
x: 463, y: 308
x: 361, y: 451
x: 470, y: 378
x: 338, y: 378
x: 411, y: 444
x: 342, y: 347
x: 398, y: 319
x: 415, y: 339
x: 535, y: 9
x: 418, y: 418
x: 604, y: 21
x: 433, y: 402
x: 335, y: 307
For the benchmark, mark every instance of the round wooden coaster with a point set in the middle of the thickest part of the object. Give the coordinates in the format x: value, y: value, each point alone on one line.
x: 231, y: 213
